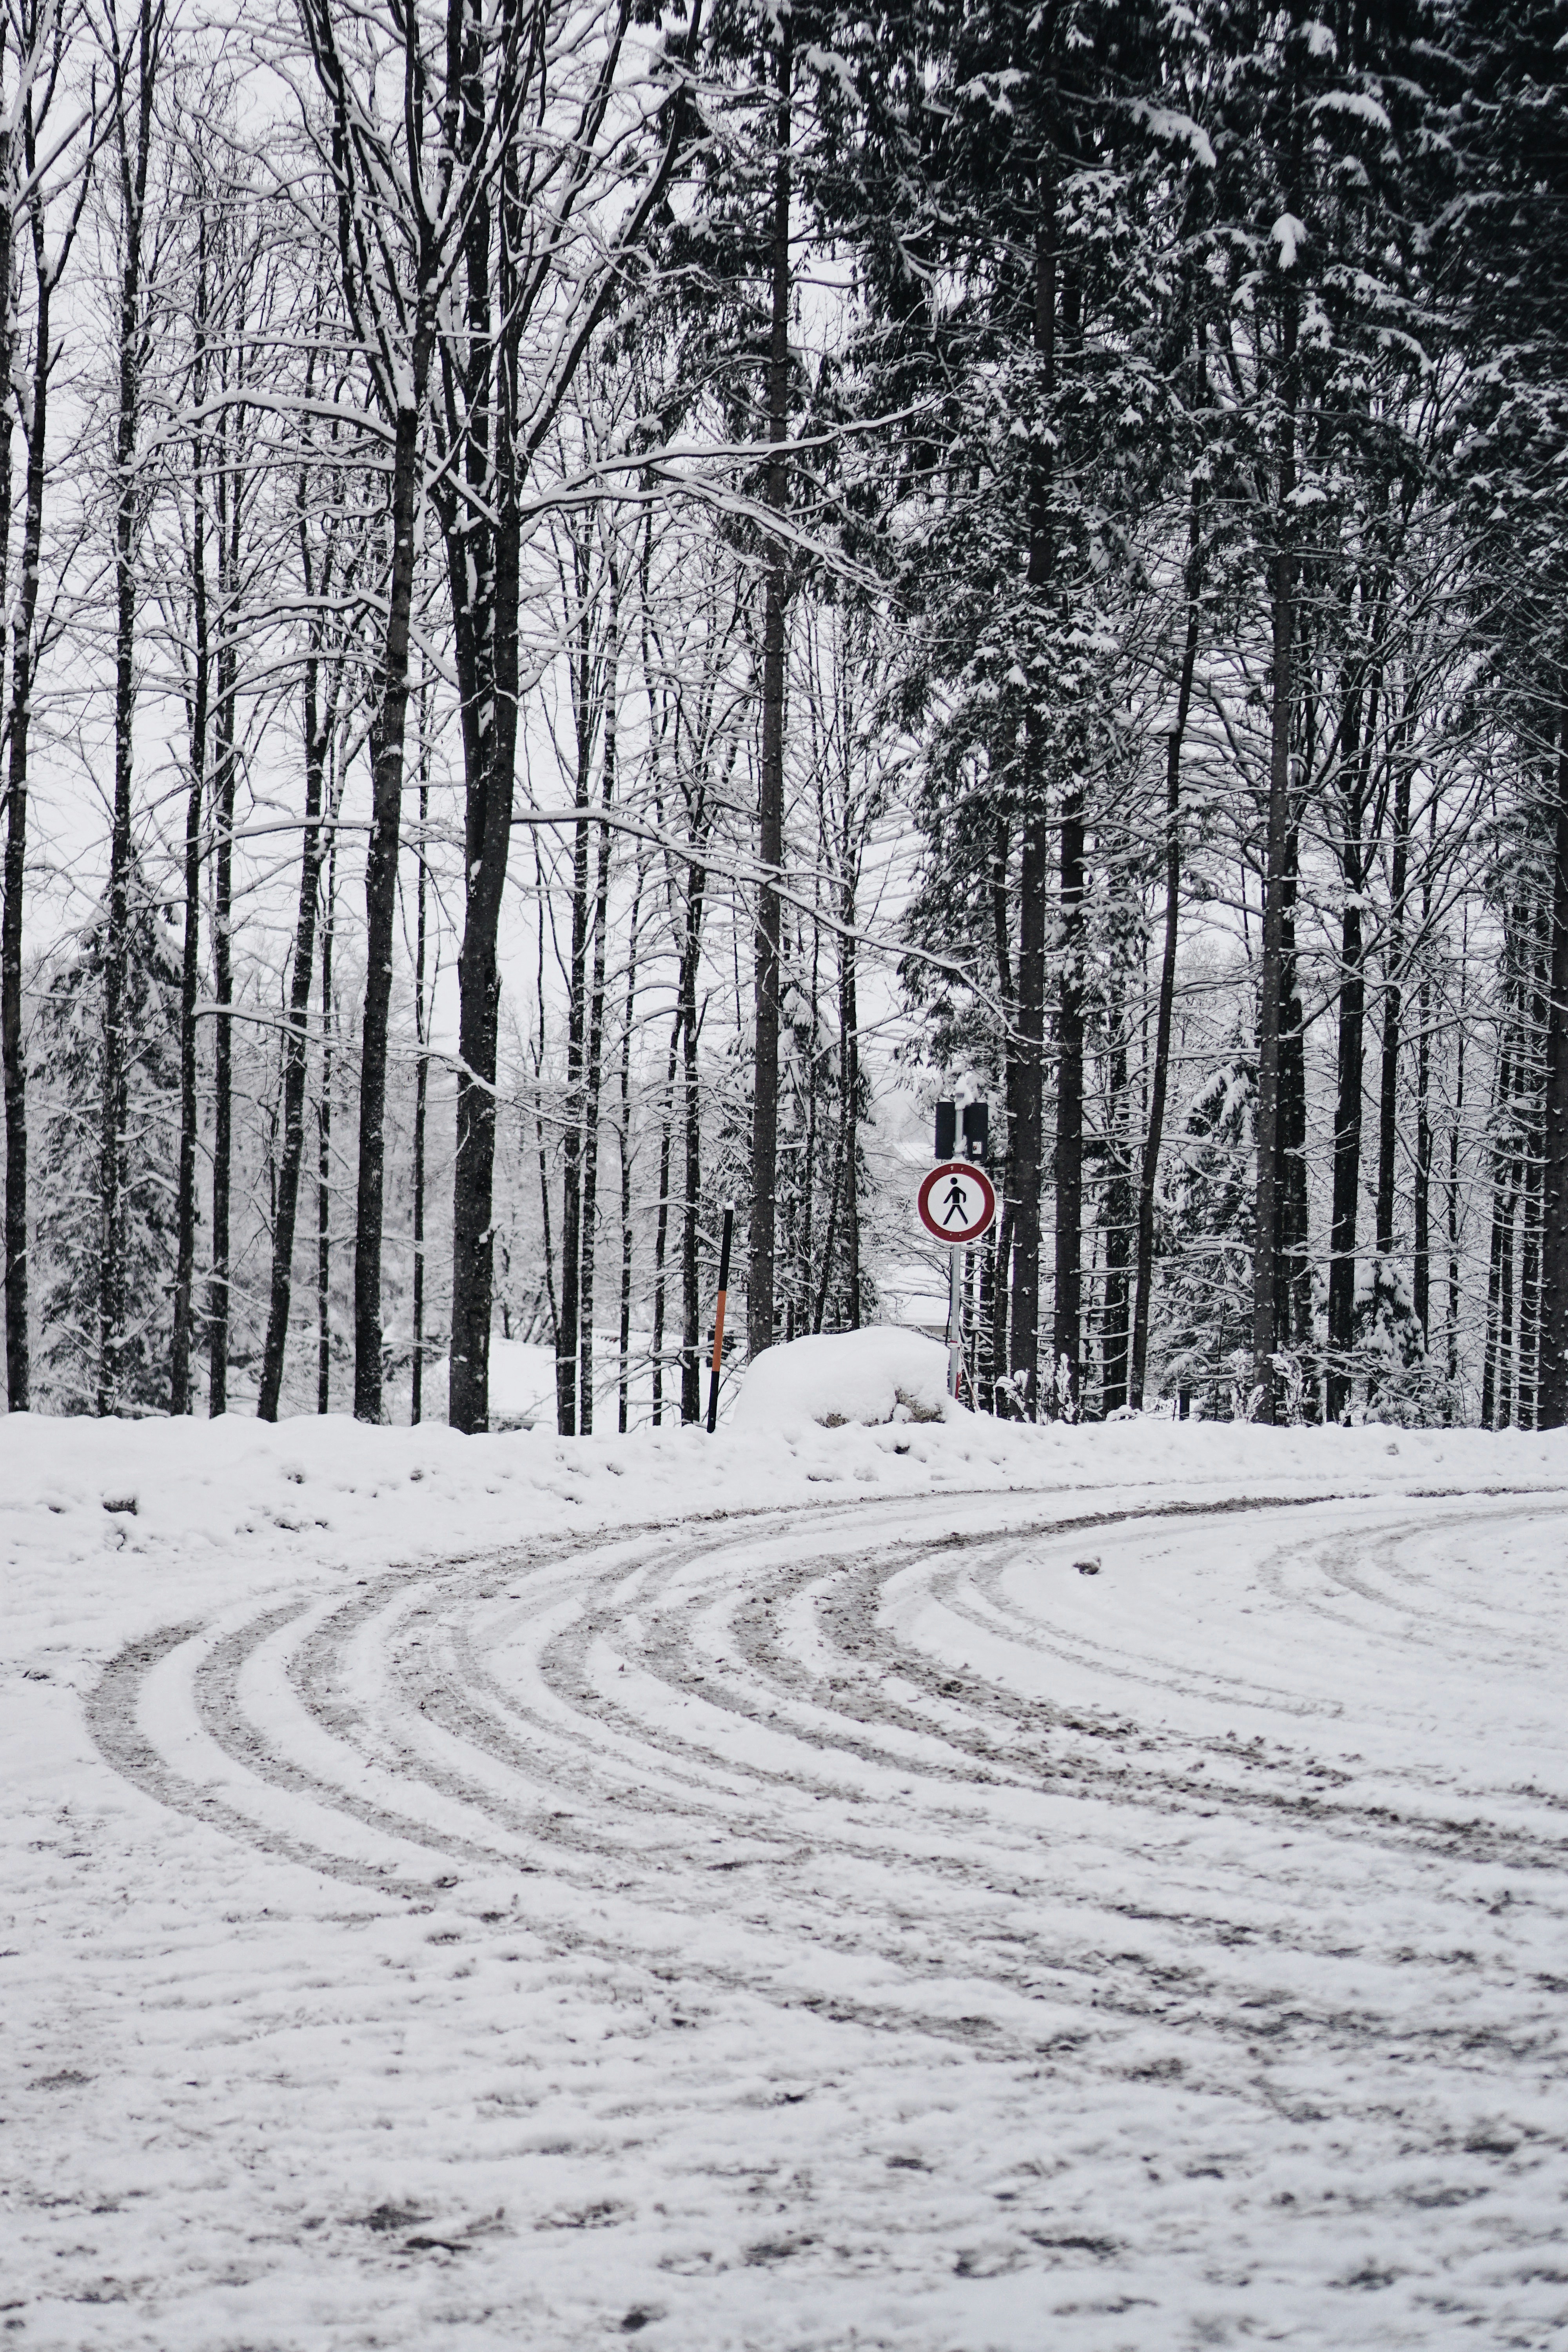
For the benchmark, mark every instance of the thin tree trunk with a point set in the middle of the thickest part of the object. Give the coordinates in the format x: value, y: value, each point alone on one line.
x: 690, y: 1353
x: 421, y: 1090
x: 180, y: 1396
x: 1026, y: 1122
x: 324, y: 1151
x: 1347, y: 1153
x: 380, y: 883
x: 1066, y: 1315
x: 1393, y: 1013
x: 1493, y: 1359
x: 595, y: 1064
x: 24, y: 621
x: 596, y: 1049
x: 134, y: 148
x: 1296, y: 1309
x: 1265, y: 1268
x: 1115, y: 1346
x: 849, y: 1080
x: 624, y: 1137
x: 1453, y: 1203
x: 661, y: 1222
x: 568, y: 1345
x: 224, y: 780
x: 1160, y: 1075
x: 1553, y: 1401
x: 760, y: 1309
x: 318, y: 735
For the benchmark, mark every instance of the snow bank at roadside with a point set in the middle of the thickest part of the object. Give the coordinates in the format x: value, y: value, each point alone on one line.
x: 883, y: 1373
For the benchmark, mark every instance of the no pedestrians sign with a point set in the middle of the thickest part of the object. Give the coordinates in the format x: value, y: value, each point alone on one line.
x: 957, y: 1202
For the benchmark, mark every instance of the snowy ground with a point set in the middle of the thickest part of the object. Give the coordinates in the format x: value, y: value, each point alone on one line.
x: 759, y: 1893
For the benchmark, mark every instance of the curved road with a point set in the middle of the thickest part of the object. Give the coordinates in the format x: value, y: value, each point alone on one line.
x: 939, y: 1925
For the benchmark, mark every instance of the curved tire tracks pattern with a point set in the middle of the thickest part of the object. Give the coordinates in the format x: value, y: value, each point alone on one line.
x: 1247, y: 1851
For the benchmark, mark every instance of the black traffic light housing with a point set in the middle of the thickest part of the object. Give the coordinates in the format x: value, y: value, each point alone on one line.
x: 946, y: 1131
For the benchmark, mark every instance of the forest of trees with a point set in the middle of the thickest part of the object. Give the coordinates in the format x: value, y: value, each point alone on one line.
x: 603, y: 598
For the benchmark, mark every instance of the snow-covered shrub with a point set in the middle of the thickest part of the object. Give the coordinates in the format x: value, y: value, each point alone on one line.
x: 884, y: 1373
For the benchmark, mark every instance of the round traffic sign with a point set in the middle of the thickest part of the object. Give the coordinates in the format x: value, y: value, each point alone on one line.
x: 957, y: 1202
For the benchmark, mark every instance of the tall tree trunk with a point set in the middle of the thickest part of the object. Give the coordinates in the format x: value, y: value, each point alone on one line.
x: 487, y: 834
x: 1453, y: 1189
x: 180, y: 1394
x: 691, y: 1104
x: 1026, y: 1123
x: 133, y: 143
x: 225, y: 765
x: 1160, y: 1072
x: 623, y: 1138
x: 24, y: 655
x: 569, y: 1336
x: 1347, y: 1151
x: 1266, y: 1270
x: 1554, y: 1397
x: 381, y: 876
x: 1393, y: 1013
x: 296, y: 1040
x: 596, y: 1064
x: 771, y: 797
x: 850, y: 1082
x: 422, y: 1012
x: 324, y: 1150
x: 1066, y: 1313
x: 1501, y: 1158
x: 661, y: 1221
x: 1295, y: 1297
x: 1115, y: 1343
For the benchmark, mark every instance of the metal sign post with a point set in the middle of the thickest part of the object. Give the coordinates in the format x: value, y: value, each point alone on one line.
x: 955, y: 1321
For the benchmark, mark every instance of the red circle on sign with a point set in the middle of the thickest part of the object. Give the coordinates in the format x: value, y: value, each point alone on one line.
x: 962, y: 1192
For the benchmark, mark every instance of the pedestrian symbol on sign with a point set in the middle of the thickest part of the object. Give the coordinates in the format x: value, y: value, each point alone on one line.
x: 956, y: 1202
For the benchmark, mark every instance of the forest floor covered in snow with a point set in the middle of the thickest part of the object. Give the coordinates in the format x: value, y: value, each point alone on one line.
x: 932, y: 1886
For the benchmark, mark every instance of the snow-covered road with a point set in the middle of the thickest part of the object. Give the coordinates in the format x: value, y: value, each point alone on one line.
x: 843, y: 1926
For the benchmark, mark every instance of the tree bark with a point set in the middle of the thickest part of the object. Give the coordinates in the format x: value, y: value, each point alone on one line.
x: 595, y: 1056
x: 1266, y: 1284
x: 180, y: 1392
x: 1553, y: 1393
x: 760, y: 1310
x: 691, y: 1104
x: 1026, y: 1125
x: 1347, y: 1153
x: 1393, y: 1013
x: 422, y: 1012
x: 226, y: 776
x: 1066, y: 1312
x: 319, y: 724
x: 1160, y: 1071
x: 381, y: 877
x: 24, y: 621
x: 324, y: 1151
x: 569, y: 1333
x: 661, y: 1221
x: 623, y: 1138
x: 133, y: 145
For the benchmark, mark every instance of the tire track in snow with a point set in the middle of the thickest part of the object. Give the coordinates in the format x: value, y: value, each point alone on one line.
x: 585, y: 1719
x: 1183, y: 1847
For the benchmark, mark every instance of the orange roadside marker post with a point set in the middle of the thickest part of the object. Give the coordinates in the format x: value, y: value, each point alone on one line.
x: 718, y: 1318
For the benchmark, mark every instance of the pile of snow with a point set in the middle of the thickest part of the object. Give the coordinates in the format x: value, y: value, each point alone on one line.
x: 887, y: 1373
